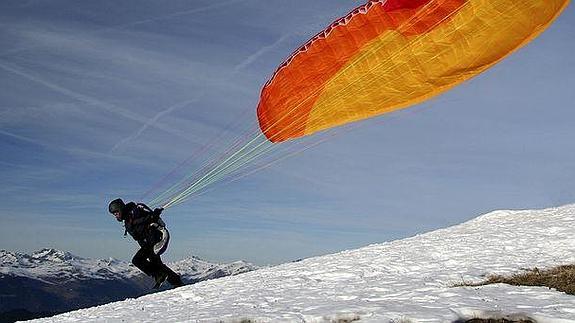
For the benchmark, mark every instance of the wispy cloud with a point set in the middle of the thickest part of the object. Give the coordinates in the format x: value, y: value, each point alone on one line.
x: 255, y: 56
x: 81, y: 153
x: 72, y: 94
x: 235, y: 70
x: 22, y: 138
x: 151, y: 122
x: 211, y: 6
x: 85, y: 98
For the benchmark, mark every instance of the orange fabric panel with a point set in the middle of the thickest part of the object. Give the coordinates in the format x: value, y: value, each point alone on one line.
x: 289, y: 96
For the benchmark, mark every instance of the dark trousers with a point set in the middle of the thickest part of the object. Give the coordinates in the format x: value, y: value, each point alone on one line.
x: 151, y: 264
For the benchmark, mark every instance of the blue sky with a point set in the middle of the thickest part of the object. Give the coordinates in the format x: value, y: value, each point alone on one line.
x: 101, y: 99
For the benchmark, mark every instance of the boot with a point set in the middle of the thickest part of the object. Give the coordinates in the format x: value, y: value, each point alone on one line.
x: 175, y: 280
x: 160, y: 279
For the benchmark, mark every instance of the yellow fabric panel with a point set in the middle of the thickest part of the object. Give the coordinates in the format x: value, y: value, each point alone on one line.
x: 395, y: 71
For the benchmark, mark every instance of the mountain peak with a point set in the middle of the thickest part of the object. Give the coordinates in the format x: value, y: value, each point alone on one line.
x: 55, y: 255
x: 7, y: 257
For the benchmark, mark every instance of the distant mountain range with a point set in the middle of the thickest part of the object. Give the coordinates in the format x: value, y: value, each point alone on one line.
x: 51, y: 281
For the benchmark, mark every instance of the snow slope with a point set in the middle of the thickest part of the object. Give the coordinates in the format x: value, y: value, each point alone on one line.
x: 409, y: 279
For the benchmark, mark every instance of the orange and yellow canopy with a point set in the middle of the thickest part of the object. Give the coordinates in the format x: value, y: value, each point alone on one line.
x: 388, y: 55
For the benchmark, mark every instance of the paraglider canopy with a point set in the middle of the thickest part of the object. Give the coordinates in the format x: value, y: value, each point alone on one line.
x: 391, y: 54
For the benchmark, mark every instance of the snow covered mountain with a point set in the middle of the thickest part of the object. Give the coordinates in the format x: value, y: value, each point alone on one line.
x: 409, y: 280
x: 50, y: 281
x: 54, y: 266
x: 194, y: 269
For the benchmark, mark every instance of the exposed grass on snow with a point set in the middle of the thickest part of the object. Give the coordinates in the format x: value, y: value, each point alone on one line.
x: 244, y: 320
x: 499, y: 321
x: 561, y: 278
x: 336, y: 320
x: 346, y: 320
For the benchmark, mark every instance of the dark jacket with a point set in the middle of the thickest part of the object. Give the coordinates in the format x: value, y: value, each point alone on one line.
x: 137, y: 219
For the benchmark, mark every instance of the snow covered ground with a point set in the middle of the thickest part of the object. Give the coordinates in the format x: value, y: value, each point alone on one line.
x: 408, y: 280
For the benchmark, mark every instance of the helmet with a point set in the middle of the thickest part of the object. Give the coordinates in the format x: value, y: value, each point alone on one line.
x: 116, y: 206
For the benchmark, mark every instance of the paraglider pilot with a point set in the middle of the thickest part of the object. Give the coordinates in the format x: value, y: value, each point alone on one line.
x: 148, y: 229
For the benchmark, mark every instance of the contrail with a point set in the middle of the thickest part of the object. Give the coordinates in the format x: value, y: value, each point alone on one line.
x: 172, y: 15
x: 246, y: 62
x: 236, y: 69
x: 109, y: 107
x: 22, y: 138
x: 152, y: 121
x: 182, y: 104
x: 75, y: 151
x: 250, y: 59
x: 86, y: 99
x: 136, y: 23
